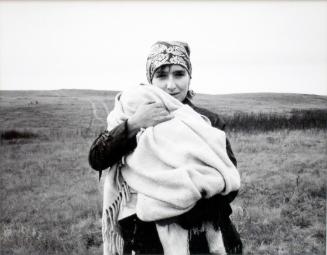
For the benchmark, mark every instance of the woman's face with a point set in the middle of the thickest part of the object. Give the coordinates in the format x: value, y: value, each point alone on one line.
x: 173, y: 79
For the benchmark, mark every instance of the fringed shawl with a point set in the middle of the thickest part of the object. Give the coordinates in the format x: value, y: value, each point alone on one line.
x: 115, y: 193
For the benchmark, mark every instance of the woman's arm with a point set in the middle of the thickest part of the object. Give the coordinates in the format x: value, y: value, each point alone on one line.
x: 220, y: 124
x: 230, y: 152
x: 110, y: 146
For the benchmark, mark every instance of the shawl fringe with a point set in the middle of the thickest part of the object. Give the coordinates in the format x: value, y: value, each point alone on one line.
x: 112, y: 240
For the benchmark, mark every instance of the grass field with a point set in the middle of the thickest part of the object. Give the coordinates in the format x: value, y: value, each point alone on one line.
x: 50, y: 197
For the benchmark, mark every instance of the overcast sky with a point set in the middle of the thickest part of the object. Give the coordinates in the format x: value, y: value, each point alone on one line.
x: 236, y: 46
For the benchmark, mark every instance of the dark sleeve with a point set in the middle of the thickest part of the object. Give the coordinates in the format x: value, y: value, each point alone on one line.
x: 230, y: 152
x: 220, y: 124
x: 110, y: 146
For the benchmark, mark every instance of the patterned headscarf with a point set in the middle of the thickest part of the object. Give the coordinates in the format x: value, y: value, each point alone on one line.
x: 168, y: 53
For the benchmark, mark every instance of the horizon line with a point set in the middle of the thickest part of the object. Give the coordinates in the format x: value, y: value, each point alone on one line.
x: 201, y: 93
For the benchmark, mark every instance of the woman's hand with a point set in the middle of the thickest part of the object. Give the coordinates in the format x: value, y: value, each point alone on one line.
x: 148, y: 115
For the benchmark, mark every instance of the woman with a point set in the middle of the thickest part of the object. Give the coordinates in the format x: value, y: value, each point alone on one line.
x: 168, y: 68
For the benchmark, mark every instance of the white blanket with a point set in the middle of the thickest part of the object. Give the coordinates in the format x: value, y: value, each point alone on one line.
x: 176, y: 162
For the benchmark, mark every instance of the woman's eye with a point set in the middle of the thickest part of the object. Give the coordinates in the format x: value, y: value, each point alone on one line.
x: 161, y: 75
x: 179, y: 74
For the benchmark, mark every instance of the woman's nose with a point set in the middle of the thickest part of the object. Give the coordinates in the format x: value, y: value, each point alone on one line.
x: 171, y: 84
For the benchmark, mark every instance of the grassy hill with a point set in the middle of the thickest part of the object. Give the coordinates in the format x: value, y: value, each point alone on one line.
x: 51, y: 198
x: 82, y: 109
x: 261, y: 102
x: 225, y: 104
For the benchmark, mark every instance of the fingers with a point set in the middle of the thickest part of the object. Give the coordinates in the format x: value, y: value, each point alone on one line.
x: 155, y: 104
x: 160, y: 112
x: 168, y: 117
x: 151, y: 102
x: 163, y: 117
x: 157, y: 119
x: 151, y: 114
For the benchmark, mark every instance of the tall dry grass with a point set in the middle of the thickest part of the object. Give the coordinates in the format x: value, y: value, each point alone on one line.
x: 50, y: 198
x: 282, y: 204
x: 295, y: 119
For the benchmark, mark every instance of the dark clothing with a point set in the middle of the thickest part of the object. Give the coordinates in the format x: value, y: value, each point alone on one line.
x: 111, y: 146
x: 142, y: 237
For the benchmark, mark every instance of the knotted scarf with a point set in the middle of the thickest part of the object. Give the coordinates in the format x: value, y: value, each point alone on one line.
x: 168, y: 53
